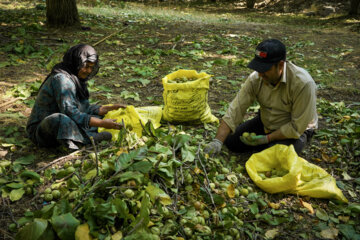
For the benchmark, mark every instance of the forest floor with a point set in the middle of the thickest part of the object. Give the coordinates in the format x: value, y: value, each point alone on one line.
x: 149, y: 42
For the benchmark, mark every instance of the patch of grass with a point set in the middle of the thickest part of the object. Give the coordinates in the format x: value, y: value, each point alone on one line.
x: 173, y: 14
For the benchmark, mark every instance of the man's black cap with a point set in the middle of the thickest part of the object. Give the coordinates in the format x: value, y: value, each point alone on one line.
x: 268, y: 53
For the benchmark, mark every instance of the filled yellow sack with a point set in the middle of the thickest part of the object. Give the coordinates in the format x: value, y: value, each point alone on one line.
x: 132, y: 117
x: 301, y: 177
x: 187, y: 101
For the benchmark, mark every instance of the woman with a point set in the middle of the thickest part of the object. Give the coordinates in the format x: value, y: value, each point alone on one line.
x: 62, y: 114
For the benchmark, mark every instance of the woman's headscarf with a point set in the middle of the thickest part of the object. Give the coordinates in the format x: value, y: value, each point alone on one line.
x: 74, y: 59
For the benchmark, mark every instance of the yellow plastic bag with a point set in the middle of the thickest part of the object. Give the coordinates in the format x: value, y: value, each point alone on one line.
x: 303, y: 178
x: 132, y: 117
x: 188, y: 101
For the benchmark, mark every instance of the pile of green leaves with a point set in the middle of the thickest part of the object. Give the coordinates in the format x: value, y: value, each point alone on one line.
x: 160, y: 186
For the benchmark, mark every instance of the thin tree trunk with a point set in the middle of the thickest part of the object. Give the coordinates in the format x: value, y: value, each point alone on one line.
x: 354, y: 5
x: 250, y: 3
x: 62, y: 13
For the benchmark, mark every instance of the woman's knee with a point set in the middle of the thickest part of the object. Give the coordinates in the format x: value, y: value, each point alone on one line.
x: 52, y: 121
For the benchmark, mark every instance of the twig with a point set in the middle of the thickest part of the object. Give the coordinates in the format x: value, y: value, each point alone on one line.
x: 96, y: 156
x: 136, y: 226
x: 156, y: 166
x: 9, y: 102
x: 6, y: 233
x: 65, y: 178
x: 109, y: 36
x: 67, y: 157
x: 181, y: 40
x: 79, y: 177
x: 142, y: 125
x: 176, y: 179
x: 182, y: 174
x: 207, y: 186
x: 10, y: 212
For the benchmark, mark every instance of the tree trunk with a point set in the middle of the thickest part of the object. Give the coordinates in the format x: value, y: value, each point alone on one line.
x: 62, y: 13
x: 250, y: 3
x: 354, y: 5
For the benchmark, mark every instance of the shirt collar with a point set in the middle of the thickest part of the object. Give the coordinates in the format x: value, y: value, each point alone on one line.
x: 283, y: 77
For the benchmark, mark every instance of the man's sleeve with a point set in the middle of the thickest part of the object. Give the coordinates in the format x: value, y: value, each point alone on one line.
x: 237, y: 108
x: 303, y: 111
x: 65, y: 95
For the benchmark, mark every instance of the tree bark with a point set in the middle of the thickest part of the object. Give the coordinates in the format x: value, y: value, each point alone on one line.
x: 354, y: 5
x: 62, y: 13
x: 250, y: 3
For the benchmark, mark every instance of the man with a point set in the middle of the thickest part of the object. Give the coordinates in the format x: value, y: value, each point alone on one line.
x: 287, y: 97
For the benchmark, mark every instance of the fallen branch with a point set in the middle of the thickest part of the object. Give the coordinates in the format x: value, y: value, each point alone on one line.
x: 109, y: 36
x: 7, y: 84
x: 180, y: 41
x: 176, y: 179
x: 71, y: 156
x: 207, y: 185
x: 96, y: 156
x: 5, y: 104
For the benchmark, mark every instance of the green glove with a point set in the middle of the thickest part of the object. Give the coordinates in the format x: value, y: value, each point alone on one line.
x: 214, y: 147
x: 255, y: 140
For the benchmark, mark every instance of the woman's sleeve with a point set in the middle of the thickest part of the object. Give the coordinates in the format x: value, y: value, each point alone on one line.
x: 93, y: 109
x: 65, y: 95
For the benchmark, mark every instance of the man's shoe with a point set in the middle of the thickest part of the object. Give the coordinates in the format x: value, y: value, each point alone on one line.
x: 103, y: 136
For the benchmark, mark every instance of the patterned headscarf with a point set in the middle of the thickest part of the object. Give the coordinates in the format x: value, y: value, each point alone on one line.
x: 74, y: 59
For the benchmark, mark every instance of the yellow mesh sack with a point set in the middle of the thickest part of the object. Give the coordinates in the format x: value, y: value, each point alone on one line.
x: 132, y: 117
x: 303, y: 178
x: 188, y: 101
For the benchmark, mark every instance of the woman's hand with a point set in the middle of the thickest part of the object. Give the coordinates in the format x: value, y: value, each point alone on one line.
x: 105, y: 109
x: 111, y: 124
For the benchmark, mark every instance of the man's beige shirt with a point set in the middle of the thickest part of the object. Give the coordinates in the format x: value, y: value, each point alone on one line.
x: 289, y: 106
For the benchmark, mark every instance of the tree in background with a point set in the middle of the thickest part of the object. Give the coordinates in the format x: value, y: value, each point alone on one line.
x: 354, y: 5
x: 62, y: 13
x: 250, y: 3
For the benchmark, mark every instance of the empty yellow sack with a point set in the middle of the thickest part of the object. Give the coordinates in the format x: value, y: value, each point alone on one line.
x: 188, y: 101
x: 132, y: 117
x: 303, y: 178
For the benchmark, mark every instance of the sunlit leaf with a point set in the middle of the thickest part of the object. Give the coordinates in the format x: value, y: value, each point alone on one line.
x: 156, y: 193
x: 307, y: 206
x: 16, y: 194
x: 83, y: 232
x: 330, y: 233
x: 272, y: 233
x: 117, y: 236
x: 230, y: 190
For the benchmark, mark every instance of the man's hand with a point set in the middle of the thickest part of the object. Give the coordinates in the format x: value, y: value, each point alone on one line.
x: 214, y: 147
x: 255, y: 140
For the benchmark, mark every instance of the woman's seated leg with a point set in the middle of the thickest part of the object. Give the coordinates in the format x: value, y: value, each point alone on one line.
x: 57, y: 129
